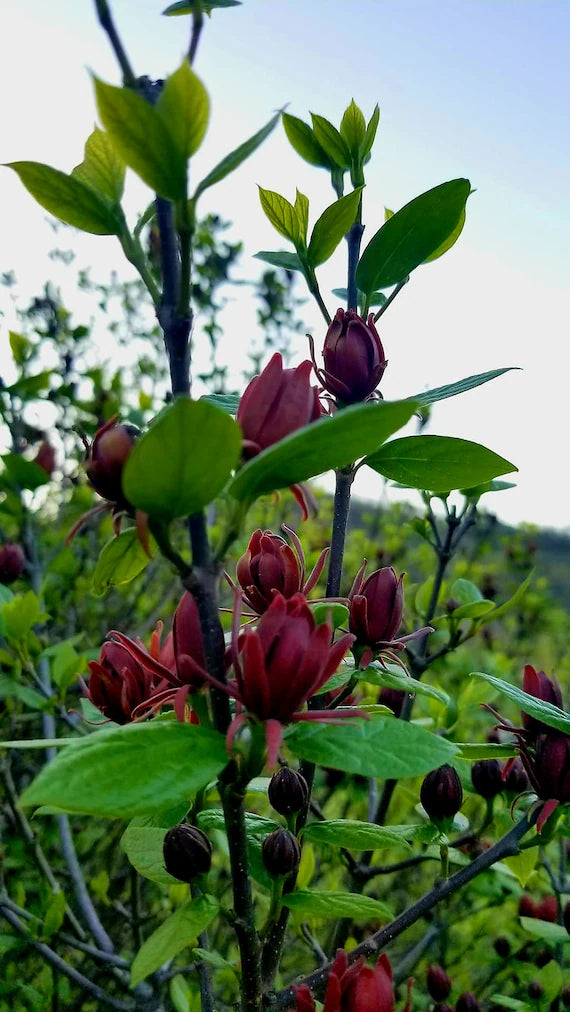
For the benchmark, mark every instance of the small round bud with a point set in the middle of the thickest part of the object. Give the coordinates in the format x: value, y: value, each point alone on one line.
x: 287, y: 792
x: 565, y: 996
x: 441, y: 794
x: 467, y: 1002
x: 502, y: 947
x: 527, y: 906
x: 187, y: 852
x: 535, y: 990
x: 106, y: 458
x: 547, y: 909
x: 438, y: 983
x: 486, y: 778
x: 12, y: 563
x: 281, y: 852
x: 452, y: 604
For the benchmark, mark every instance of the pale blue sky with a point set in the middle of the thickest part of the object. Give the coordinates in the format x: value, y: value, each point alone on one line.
x: 466, y: 87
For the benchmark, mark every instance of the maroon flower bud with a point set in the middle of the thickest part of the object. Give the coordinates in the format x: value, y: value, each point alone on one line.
x: 527, y: 906
x: 188, y: 645
x: 467, y: 1002
x: 107, y: 457
x: 371, y: 990
x: 502, y: 947
x: 187, y: 852
x: 393, y: 699
x: 118, y: 683
x: 275, y: 404
x: 12, y: 563
x: 268, y: 566
x: 486, y: 777
x: 535, y: 990
x: 552, y: 766
x: 438, y: 983
x: 376, y: 607
x: 441, y: 794
x: 539, y: 685
x: 452, y: 604
x: 288, y: 791
x: 353, y: 356
x: 516, y: 779
x: 547, y: 909
x: 566, y: 917
x: 45, y: 458
x: 281, y: 852
x: 565, y: 996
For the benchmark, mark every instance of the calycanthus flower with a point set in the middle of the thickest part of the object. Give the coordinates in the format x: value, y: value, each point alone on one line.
x: 376, y: 607
x: 356, y: 988
x: 271, y: 566
x: 353, y: 357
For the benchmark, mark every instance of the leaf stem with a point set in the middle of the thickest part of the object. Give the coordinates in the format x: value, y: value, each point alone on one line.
x: 391, y: 298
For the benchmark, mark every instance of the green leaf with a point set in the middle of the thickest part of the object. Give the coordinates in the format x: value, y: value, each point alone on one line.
x: 174, y: 934
x: 303, y: 140
x: 461, y: 387
x: 333, y: 224
x: 473, y: 751
x: 486, y: 486
x: 257, y: 827
x: 183, y: 461
x: 450, y: 241
x: 20, y: 346
x: 236, y: 157
x: 554, y: 934
x: 548, y: 713
x: 302, y: 212
x: 370, y: 134
x: 353, y: 128
x: 281, y: 214
x: 54, y: 915
x: 10, y: 687
x: 325, y: 611
x: 331, y: 141
x: 101, y: 773
x: 411, y: 235
x: 101, y: 168
x: 354, y: 835
x: 68, y: 198
x: 121, y: 559
x: 20, y: 615
x: 142, y: 842
x: 30, y: 386
x: 184, y: 107
x: 437, y: 463
x: 523, y: 865
x: 227, y: 402
x: 376, y: 299
x: 189, y: 6
x: 24, y: 473
x: 465, y: 591
x: 280, y: 258
x: 474, y: 610
x: 379, y: 747
x: 142, y: 139
x: 309, y: 904
x: 329, y: 443
x: 392, y: 678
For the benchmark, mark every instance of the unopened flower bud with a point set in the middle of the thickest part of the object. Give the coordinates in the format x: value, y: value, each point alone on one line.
x: 502, y: 947
x: 187, y: 852
x: 438, y: 983
x: 547, y: 909
x: 45, y: 458
x: 486, y: 777
x: 353, y: 356
x: 467, y: 1002
x: 539, y: 685
x: 552, y: 766
x: 12, y: 563
x: 287, y: 792
x: 276, y: 403
x: 452, y: 604
x: 535, y: 990
x: 107, y: 457
x: 281, y: 852
x: 441, y: 794
x: 527, y: 906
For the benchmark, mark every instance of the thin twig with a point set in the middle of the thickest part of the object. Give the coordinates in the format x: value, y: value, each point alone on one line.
x: 197, y: 25
x: 108, y: 25
x: 84, y: 901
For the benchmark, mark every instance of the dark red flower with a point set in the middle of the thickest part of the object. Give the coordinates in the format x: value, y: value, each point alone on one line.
x: 187, y: 852
x: 547, y: 909
x: 12, y: 563
x: 441, y: 793
x: 45, y: 458
x: 356, y: 988
x: 527, y: 906
x: 353, y: 356
x: 271, y: 566
x: 106, y: 458
x: 376, y: 609
x: 275, y: 404
x: 189, y: 657
x: 539, y: 685
x: 438, y: 983
x: 552, y: 766
x: 118, y: 683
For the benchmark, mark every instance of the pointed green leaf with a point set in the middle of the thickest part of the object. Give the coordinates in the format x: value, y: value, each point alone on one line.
x: 354, y: 835
x: 227, y: 402
x: 329, y: 443
x: 461, y: 387
x: 554, y: 934
x: 546, y: 712
x: 353, y: 128
x: 332, y: 226
x: 281, y: 214
x: 380, y: 747
x: 411, y: 235
x: 437, y: 463
x: 280, y: 258
x: 236, y: 157
x: 472, y: 751
x: 303, y: 140
x: 183, y: 461
x: 331, y: 141
x: 376, y: 299
x: 100, y: 774
x: 184, y: 106
x: 302, y: 211
x: 450, y: 241
x: 507, y: 605
x: 121, y: 559
x: 307, y: 903
x: 142, y: 842
x: 189, y: 6
x: 179, y: 930
x: 101, y: 168
x: 370, y: 134
x: 67, y: 198
x: 142, y: 139
x: 393, y: 678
